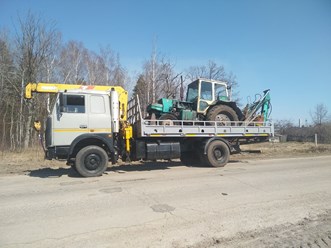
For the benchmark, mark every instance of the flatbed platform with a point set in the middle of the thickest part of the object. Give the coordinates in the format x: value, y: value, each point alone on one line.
x: 154, y: 128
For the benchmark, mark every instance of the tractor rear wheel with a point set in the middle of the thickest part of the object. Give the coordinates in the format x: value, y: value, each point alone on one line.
x: 222, y: 113
x: 168, y: 119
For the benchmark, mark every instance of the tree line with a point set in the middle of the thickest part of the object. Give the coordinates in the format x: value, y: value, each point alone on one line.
x: 37, y: 53
x: 321, y: 125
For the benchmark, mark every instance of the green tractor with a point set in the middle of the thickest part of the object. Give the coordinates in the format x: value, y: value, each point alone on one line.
x: 206, y: 100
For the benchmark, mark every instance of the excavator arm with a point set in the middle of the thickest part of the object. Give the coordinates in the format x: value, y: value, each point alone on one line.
x: 55, y: 88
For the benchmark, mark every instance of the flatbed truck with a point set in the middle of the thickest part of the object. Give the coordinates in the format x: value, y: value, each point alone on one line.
x: 88, y: 129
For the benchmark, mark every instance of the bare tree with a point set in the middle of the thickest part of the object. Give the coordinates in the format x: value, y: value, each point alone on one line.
x: 105, y: 68
x: 71, y: 63
x: 319, y: 114
x: 216, y: 72
x: 95, y: 68
x: 140, y: 90
x: 7, y: 90
x: 34, y: 45
x: 119, y: 74
x: 282, y: 126
x: 169, y: 79
x: 160, y: 77
x: 108, y: 57
x: 211, y: 71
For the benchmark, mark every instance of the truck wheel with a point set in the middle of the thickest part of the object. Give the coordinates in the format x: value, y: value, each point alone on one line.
x: 218, y: 154
x: 168, y: 119
x: 91, y: 161
x: 222, y: 113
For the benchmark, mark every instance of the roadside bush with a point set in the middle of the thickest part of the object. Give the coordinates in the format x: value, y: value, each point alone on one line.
x: 305, y: 134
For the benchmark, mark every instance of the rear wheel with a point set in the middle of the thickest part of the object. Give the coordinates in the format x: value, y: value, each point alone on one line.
x: 91, y: 161
x: 223, y: 114
x: 217, y: 154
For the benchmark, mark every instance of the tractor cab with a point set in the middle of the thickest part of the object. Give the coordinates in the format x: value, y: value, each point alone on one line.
x: 206, y: 99
x: 205, y: 92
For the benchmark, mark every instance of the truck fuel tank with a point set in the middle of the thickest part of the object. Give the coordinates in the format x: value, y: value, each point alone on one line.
x: 157, y: 150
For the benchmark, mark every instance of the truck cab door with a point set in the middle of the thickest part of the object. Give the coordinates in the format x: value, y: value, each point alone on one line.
x: 99, y: 114
x: 70, y: 118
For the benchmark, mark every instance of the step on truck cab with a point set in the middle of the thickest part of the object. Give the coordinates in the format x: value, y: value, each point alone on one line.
x: 89, y: 128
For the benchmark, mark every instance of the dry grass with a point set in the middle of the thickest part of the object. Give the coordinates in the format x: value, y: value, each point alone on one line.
x: 25, y: 161
x: 288, y: 149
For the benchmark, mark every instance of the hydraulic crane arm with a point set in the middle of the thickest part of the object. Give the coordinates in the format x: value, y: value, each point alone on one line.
x: 55, y: 88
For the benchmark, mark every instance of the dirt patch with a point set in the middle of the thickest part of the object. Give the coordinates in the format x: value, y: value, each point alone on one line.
x: 33, y: 159
x: 309, y: 232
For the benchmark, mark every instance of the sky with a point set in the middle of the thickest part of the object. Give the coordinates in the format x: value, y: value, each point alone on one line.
x: 281, y: 45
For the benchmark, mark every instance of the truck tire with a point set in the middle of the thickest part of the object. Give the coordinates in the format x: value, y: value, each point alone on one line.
x: 91, y: 161
x: 222, y: 113
x: 217, y: 154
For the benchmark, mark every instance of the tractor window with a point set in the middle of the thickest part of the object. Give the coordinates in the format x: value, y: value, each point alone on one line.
x: 220, y: 92
x: 192, y: 92
x: 206, y: 91
x: 73, y: 104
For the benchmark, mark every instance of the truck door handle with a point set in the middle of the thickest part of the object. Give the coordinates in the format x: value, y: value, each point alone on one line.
x: 83, y: 126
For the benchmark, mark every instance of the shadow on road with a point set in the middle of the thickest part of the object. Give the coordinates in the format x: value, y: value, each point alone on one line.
x: 145, y: 166
x: 157, y: 165
x: 52, y: 172
x: 125, y: 167
x: 70, y: 172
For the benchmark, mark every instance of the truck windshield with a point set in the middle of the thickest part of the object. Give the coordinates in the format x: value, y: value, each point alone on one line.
x: 192, y: 92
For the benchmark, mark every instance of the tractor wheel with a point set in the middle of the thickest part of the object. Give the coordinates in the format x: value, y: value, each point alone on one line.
x: 223, y: 114
x: 168, y: 119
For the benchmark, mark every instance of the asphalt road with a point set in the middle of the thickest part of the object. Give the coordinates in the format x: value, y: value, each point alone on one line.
x: 283, y: 202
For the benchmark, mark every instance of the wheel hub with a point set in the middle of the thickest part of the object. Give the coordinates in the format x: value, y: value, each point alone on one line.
x: 92, y: 162
x: 218, y: 154
x: 222, y: 117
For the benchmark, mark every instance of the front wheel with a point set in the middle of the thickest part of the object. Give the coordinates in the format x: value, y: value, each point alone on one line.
x: 91, y: 161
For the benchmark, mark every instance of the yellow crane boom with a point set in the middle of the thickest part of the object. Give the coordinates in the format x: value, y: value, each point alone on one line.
x: 55, y: 88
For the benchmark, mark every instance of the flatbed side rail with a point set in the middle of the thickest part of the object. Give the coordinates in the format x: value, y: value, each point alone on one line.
x: 152, y: 128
